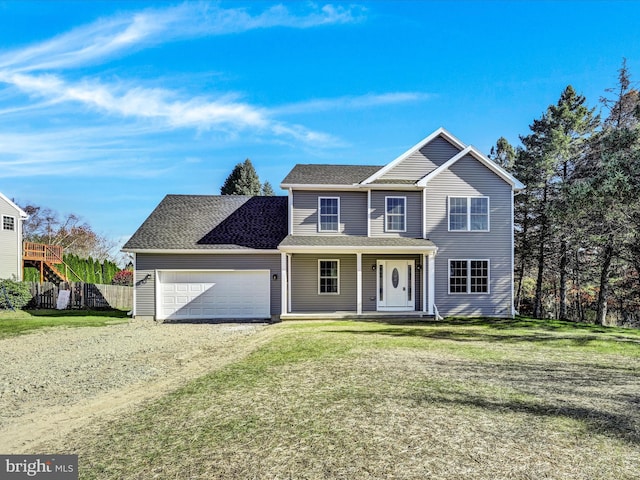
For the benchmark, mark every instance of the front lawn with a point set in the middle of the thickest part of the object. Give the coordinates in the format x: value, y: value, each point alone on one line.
x: 18, y: 322
x: 472, y: 399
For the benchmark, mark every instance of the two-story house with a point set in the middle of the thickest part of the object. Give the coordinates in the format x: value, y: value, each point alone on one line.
x: 11, y: 217
x: 430, y: 233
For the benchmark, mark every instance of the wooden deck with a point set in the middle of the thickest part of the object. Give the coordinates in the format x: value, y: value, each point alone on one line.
x: 44, y: 258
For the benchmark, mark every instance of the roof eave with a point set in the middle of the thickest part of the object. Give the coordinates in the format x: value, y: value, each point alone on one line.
x: 356, y: 249
x: 316, y: 186
x: 201, y: 251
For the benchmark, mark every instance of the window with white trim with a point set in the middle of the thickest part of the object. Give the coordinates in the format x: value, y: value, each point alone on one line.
x: 8, y: 223
x: 395, y: 214
x: 468, y: 276
x: 469, y: 214
x: 328, y: 277
x: 328, y: 214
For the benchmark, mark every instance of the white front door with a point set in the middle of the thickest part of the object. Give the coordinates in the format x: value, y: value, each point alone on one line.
x: 396, y: 285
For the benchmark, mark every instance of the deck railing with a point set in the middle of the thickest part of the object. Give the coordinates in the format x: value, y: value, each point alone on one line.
x: 43, y: 253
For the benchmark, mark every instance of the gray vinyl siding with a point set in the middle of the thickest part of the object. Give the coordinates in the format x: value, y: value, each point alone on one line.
x: 369, y: 280
x: 413, y: 209
x: 304, y: 284
x: 353, y: 213
x: 423, y: 161
x: 149, y: 263
x: 470, y: 178
x: 10, y: 244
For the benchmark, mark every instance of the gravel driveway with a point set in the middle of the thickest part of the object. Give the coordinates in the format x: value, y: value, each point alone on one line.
x: 58, y: 379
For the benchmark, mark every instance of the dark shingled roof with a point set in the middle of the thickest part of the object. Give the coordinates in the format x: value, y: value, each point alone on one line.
x: 353, y: 241
x: 193, y: 222
x: 312, y: 174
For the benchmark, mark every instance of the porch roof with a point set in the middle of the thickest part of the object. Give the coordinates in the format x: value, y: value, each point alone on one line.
x: 351, y: 243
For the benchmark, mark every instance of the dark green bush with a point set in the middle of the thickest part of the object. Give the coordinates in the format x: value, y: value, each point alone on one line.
x: 18, y: 294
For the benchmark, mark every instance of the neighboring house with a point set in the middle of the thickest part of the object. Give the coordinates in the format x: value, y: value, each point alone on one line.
x: 12, y: 217
x: 429, y: 233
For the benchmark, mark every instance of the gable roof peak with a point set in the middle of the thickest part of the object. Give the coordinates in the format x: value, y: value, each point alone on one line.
x: 21, y: 212
x: 440, y: 132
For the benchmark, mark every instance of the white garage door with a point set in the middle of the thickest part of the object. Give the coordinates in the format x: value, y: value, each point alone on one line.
x: 214, y: 294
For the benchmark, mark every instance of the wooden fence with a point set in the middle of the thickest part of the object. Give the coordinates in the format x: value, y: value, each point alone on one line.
x: 83, y: 295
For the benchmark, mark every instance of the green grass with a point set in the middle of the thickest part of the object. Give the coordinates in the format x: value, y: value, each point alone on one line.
x: 19, y: 322
x: 473, y: 399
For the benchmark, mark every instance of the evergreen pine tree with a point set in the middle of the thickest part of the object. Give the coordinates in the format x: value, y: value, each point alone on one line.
x: 243, y: 180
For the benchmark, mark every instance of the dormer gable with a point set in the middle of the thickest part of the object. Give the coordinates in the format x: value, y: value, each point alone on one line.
x: 470, y: 151
x: 424, y: 157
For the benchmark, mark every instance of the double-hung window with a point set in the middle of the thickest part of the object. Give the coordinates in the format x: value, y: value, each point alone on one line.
x: 328, y: 277
x: 328, y: 214
x: 468, y: 276
x: 8, y: 223
x: 395, y: 214
x: 469, y: 214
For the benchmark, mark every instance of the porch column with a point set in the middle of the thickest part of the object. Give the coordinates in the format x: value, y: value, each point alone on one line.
x: 359, y: 283
x: 289, y: 309
x: 425, y: 284
x: 284, y: 281
x: 432, y: 282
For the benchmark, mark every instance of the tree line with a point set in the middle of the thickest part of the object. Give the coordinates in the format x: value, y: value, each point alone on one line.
x: 577, y: 222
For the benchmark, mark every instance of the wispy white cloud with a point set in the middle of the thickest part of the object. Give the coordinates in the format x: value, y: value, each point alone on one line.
x: 351, y: 102
x: 38, y: 70
x: 128, y: 33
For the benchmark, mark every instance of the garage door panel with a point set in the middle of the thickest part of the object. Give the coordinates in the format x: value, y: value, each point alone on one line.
x: 214, y: 294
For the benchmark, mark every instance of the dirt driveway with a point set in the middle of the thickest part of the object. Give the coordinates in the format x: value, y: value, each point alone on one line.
x: 55, y: 380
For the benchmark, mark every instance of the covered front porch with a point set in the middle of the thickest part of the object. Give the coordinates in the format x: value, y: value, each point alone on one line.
x: 357, y: 277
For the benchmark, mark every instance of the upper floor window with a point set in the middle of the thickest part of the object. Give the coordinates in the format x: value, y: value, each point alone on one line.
x: 328, y: 214
x: 468, y: 276
x: 328, y: 276
x: 469, y: 214
x: 8, y: 223
x: 395, y: 214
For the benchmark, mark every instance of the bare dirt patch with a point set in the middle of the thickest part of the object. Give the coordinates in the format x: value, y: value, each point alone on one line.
x: 56, y: 380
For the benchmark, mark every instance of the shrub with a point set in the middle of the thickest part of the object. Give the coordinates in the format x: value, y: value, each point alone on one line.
x: 18, y: 294
x: 123, y: 277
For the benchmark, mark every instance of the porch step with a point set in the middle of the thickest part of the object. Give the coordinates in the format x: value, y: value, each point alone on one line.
x: 375, y: 316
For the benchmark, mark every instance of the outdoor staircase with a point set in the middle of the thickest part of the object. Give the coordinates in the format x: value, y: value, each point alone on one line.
x: 46, y: 259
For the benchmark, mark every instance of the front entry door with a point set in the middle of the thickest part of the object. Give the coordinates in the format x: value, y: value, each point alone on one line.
x: 396, y: 285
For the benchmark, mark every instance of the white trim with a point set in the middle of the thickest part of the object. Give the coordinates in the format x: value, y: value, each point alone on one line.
x: 386, y: 213
x: 23, y: 215
x: 410, y: 304
x: 516, y: 185
x: 369, y: 212
x: 469, y: 260
x: 439, y: 132
x: 290, y: 209
x: 135, y: 270
x: 320, y: 230
x: 513, y: 262
x: 431, y: 283
x: 15, y: 223
x: 339, y: 249
x: 284, y: 281
x: 424, y: 213
x: 468, y: 229
x: 359, y: 283
x: 289, y: 283
x: 209, y: 251
x: 313, y: 186
x: 338, y: 275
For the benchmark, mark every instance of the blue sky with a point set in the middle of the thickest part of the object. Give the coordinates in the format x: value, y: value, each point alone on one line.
x: 107, y: 106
